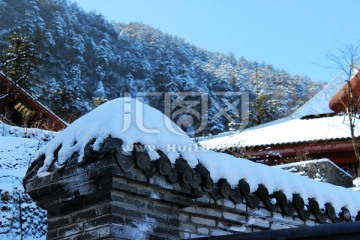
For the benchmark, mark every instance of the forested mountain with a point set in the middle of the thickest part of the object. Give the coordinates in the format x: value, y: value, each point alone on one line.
x: 83, y: 59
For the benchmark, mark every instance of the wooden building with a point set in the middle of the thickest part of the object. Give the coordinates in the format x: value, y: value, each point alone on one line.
x: 18, y: 108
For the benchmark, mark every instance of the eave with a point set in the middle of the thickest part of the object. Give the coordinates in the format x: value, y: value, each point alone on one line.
x: 332, y: 149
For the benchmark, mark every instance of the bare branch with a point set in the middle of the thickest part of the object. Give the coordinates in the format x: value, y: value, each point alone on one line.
x: 347, y: 61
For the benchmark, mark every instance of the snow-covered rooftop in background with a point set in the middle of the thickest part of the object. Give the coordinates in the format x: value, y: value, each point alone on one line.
x: 292, y: 131
x: 133, y: 121
x: 319, y: 104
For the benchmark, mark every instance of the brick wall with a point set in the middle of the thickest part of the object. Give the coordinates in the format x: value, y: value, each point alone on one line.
x: 98, y: 200
x: 207, y: 217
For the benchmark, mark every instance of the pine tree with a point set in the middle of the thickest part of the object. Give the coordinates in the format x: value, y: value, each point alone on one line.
x: 99, y: 95
x: 19, y: 59
x: 263, y: 108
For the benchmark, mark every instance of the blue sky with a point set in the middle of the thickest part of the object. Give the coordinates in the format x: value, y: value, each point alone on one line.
x: 294, y: 35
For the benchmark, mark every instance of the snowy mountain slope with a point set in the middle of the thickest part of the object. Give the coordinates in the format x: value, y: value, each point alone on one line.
x: 84, y: 57
x: 20, y: 217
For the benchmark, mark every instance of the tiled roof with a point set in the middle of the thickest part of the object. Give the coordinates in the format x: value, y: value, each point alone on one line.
x: 199, y: 179
x: 289, y: 132
x: 60, y: 124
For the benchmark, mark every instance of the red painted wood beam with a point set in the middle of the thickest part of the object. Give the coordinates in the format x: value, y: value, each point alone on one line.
x: 340, y: 100
x: 339, y: 151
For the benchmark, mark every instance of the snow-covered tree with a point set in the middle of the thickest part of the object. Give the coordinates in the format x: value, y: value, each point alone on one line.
x: 79, y: 49
x: 19, y: 59
x: 99, y: 95
x: 348, y: 61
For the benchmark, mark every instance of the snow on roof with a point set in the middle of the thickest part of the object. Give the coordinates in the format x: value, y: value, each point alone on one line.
x: 134, y: 122
x: 292, y: 131
x: 126, y: 119
x: 319, y: 104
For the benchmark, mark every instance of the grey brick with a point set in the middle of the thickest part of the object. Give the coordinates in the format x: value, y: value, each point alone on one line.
x: 204, y: 199
x: 102, y: 221
x: 264, y: 212
x: 241, y: 207
x: 203, y: 221
x: 209, y: 211
x: 184, y: 217
x: 217, y: 232
x: 185, y: 235
x: 277, y: 226
x: 187, y: 227
x: 259, y: 223
x: 234, y: 217
x: 70, y: 230
x: 189, y: 209
x: 52, y: 235
x: 202, y: 230
x: 228, y: 203
x: 54, y: 223
x: 84, y: 214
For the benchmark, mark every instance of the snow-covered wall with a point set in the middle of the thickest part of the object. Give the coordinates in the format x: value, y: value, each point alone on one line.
x: 99, y: 200
x: 126, y: 170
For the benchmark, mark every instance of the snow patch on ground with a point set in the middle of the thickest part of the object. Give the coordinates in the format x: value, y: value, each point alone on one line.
x: 18, y: 147
x: 32, y: 133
